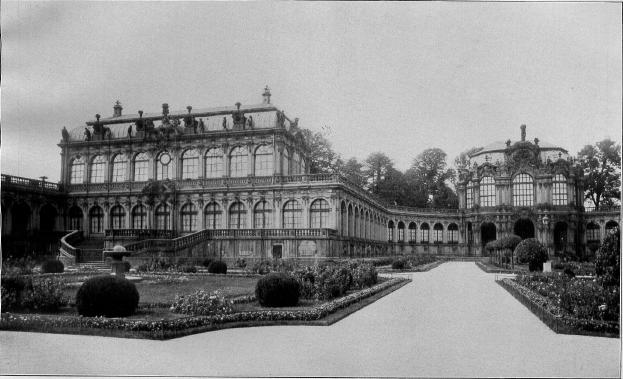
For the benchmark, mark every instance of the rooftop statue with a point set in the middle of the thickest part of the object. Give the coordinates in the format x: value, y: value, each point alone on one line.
x: 65, y: 134
x: 87, y: 134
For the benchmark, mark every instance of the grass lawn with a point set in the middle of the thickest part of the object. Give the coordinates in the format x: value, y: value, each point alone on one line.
x: 164, y: 291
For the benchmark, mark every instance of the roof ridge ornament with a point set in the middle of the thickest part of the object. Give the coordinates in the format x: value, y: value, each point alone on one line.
x: 523, y: 133
x: 266, y: 95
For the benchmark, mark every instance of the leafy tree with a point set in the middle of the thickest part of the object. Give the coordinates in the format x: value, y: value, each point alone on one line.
x: 353, y: 171
x: 608, y: 262
x: 430, y: 174
x: 377, y: 166
x: 323, y: 159
x: 602, y: 169
x: 463, y: 159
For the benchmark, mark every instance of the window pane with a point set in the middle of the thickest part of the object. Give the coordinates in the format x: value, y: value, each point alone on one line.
x: 213, y: 216
x: 98, y: 167
x: 119, y: 168
x: 237, y: 216
x: 487, y: 192
x: 141, y: 165
x: 164, y: 167
x: 559, y: 196
x: 189, y: 218
x: 214, y: 163
x: 117, y: 215
x: 292, y: 215
x: 319, y: 214
x: 77, y: 171
x: 162, y: 217
x: 239, y: 162
x: 523, y: 190
x: 264, y: 161
x: 262, y: 216
x: 190, y: 164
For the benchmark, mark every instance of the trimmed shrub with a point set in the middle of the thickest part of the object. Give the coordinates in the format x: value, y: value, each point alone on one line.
x: 206, y: 262
x: 202, y: 303
x: 332, y: 281
x: 217, y: 267
x: 364, y: 275
x: 277, y: 290
x: 608, y: 261
x: 108, y: 296
x: 532, y: 252
x: 13, y: 289
x: 398, y: 265
x: 241, y: 263
x: 188, y: 269
x: 569, y: 272
x: 45, y: 295
x: 52, y: 266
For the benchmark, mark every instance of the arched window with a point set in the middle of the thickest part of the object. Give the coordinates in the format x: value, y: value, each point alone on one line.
x: 119, y: 168
x: 98, y: 167
x: 401, y: 231
x: 390, y: 231
x: 285, y: 165
x: 141, y: 167
x: 264, y: 161
x: 75, y: 218
x: 437, y: 233
x: 117, y: 217
x: 559, y: 193
x: 296, y: 163
x: 96, y: 220
x: 190, y: 164
x: 237, y: 216
x: 238, y: 162
x: 592, y: 232
x: 262, y: 215
x: 163, y: 214
x: 523, y: 190
x: 469, y: 195
x: 213, y: 216
x: 292, y: 215
x: 453, y: 233
x: 214, y: 163
x: 139, y: 217
x: 344, y: 219
x: 188, y: 213
x: 487, y: 192
x: 412, y: 231
x: 76, y: 174
x: 424, y: 233
x: 319, y: 214
x: 164, y: 166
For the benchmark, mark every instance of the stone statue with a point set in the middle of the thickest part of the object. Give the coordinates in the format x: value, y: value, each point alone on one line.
x: 130, y: 131
x: 508, y: 143
x: 250, y: 122
x: 281, y: 118
x: 65, y: 134
x: 224, y: 122
x: 87, y: 134
x: 202, y: 126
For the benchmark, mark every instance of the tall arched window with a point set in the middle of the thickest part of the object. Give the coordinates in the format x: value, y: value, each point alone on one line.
x: 390, y: 231
x: 487, y: 192
x: 117, y: 217
x: 75, y: 218
x: 139, y: 217
x: 190, y: 164
x: 469, y: 195
x: 424, y: 233
x: 319, y: 214
x: 412, y: 231
x: 237, y: 216
x: 163, y: 214
x: 559, y: 194
x: 188, y: 213
x: 238, y: 162
x: 119, y: 168
x: 164, y: 166
x: 76, y: 174
x: 296, y: 163
x: 437, y: 233
x: 523, y: 190
x: 292, y: 215
x: 453, y: 233
x: 214, y: 163
x: 401, y: 231
x: 285, y: 165
x: 98, y: 167
x: 592, y: 232
x: 141, y: 167
x: 96, y: 220
x: 262, y: 215
x: 213, y: 216
x: 264, y: 161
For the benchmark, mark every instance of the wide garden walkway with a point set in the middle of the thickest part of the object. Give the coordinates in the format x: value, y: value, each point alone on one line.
x: 451, y: 321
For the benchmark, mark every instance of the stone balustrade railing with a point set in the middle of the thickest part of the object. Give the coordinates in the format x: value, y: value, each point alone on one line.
x: 139, y: 233
x: 30, y: 183
x: 67, y: 250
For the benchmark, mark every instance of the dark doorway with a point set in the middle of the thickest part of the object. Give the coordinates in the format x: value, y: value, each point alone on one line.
x: 487, y: 234
x: 277, y: 251
x: 20, y: 220
x: 560, y: 237
x: 524, y: 228
x: 47, y: 218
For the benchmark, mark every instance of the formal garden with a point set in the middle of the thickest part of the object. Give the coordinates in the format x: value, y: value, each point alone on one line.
x: 573, y: 297
x: 162, y: 300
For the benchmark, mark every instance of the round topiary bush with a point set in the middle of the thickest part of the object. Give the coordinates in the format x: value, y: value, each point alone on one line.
x: 206, y: 262
x: 398, y: 265
x: 532, y: 252
x: 108, y: 296
x: 277, y: 290
x: 189, y: 269
x: 217, y: 267
x: 52, y: 266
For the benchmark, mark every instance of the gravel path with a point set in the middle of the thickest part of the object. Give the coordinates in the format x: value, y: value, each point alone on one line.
x: 451, y: 321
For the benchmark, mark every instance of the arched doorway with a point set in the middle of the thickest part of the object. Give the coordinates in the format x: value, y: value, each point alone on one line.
x: 560, y: 237
x: 524, y: 228
x: 487, y: 233
x: 47, y: 218
x: 20, y: 220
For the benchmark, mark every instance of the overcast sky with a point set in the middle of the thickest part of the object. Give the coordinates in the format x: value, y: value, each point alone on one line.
x: 390, y: 77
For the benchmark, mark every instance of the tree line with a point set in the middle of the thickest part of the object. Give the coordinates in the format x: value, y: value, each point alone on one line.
x: 430, y: 183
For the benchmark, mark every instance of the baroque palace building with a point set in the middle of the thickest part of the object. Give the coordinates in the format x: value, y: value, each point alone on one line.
x: 234, y: 182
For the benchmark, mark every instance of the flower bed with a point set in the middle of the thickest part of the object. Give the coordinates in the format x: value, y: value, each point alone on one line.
x: 166, y: 329
x: 556, y: 317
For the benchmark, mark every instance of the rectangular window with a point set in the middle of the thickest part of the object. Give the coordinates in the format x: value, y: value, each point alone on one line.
x: 140, y: 171
x: 470, y: 197
x: 119, y: 171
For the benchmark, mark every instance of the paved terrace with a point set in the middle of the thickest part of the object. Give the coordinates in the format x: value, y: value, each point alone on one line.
x: 451, y: 321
